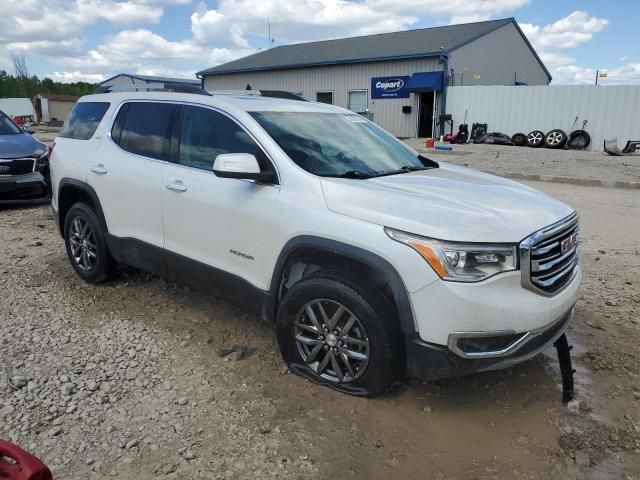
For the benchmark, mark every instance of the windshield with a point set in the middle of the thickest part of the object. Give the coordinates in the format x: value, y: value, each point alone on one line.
x: 7, y: 127
x: 338, y: 144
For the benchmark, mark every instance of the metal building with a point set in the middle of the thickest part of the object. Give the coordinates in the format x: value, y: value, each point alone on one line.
x: 398, y: 79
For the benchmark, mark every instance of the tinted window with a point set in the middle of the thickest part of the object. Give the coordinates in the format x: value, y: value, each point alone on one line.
x: 83, y: 120
x: 7, y: 127
x: 147, y: 129
x: 206, y: 134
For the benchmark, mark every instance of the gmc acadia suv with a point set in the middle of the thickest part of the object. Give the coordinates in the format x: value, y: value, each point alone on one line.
x: 372, y: 260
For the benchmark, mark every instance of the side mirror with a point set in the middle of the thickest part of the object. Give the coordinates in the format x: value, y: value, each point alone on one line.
x: 241, y: 166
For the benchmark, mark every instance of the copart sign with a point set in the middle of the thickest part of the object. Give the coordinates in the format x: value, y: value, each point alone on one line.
x: 389, y: 87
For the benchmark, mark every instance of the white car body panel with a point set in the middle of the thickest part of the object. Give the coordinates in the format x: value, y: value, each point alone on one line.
x: 497, y: 304
x: 449, y: 203
x: 129, y: 192
x: 215, y: 216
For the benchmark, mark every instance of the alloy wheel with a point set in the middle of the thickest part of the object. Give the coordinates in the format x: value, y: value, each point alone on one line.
x: 332, y: 341
x: 82, y: 241
x: 554, y: 138
x: 534, y: 137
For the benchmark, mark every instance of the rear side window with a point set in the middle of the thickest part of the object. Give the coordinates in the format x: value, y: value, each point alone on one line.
x: 207, y: 134
x: 83, y: 120
x: 146, y: 129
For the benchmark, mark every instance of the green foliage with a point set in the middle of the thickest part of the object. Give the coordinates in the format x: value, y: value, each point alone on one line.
x: 11, y: 87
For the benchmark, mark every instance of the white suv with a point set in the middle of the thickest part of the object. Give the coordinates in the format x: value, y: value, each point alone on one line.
x: 373, y: 261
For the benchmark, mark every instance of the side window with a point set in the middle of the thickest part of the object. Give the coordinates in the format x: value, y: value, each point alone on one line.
x: 84, y: 120
x: 206, y: 134
x: 146, y: 129
x: 324, y: 97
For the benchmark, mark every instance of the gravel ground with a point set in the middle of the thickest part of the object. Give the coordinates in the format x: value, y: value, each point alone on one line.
x: 561, y: 166
x: 131, y: 379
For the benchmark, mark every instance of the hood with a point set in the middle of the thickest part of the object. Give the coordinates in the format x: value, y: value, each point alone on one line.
x: 19, y: 145
x: 447, y: 203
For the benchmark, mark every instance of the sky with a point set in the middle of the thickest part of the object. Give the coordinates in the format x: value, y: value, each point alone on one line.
x: 90, y: 40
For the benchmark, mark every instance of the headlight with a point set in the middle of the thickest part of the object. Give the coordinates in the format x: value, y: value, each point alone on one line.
x: 41, y: 157
x: 461, y: 262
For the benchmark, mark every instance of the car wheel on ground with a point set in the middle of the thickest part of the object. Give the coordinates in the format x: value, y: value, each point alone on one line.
x: 86, y: 246
x: 338, y: 333
x: 535, y: 139
x: 519, y: 139
x: 556, y: 138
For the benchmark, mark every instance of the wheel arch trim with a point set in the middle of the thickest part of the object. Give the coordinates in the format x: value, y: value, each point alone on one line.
x: 88, y: 190
x: 334, y: 247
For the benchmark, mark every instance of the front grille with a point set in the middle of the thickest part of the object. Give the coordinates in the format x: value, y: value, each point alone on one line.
x: 549, y: 257
x: 17, y: 166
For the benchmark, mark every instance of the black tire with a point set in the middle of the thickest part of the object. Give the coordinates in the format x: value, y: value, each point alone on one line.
x: 519, y: 139
x: 555, y: 138
x: 101, y: 265
x: 535, y: 139
x: 377, y: 324
x: 578, y: 140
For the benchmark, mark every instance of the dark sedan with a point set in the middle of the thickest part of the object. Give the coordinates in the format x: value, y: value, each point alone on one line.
x: 24, y: 165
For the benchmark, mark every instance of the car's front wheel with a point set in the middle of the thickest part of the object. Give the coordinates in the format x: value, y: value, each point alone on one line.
x: 86, y: 245
x: 336, y: 332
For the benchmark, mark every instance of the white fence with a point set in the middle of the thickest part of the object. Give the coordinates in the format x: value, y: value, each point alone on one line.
x: 16, y: 106
x: 611, y: 111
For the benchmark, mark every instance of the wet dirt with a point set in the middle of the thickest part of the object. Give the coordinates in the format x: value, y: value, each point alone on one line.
x: 252, y: 419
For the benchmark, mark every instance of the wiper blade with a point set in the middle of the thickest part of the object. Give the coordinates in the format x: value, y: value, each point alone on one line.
x: 405, y: 169
x: 352, y: 174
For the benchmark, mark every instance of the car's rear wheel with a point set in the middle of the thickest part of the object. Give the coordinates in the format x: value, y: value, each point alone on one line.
x: 338, y: 333
x: 86, y: 246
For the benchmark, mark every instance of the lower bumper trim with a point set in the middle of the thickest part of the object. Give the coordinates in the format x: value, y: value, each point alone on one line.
x: 430, y: 362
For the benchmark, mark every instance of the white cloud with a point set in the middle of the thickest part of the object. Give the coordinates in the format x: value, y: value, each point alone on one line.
x: 627, y: 74
x: 553, y: 60
x: 553, y: 40
x: 134, y: 49
x: 71, y: 77
x: 51, y: 48
x: 568, y: 32
x: 452, y: 11
x: 35, y: 20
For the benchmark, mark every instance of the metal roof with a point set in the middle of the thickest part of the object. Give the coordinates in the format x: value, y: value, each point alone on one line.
x: 423, y: 42
x: 150, y: 78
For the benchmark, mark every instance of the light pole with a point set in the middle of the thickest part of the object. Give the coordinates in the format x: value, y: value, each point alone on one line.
x: 462, y: 75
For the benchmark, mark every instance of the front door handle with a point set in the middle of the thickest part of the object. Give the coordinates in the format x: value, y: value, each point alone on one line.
x: 99, y: 169
x: 176, y: 186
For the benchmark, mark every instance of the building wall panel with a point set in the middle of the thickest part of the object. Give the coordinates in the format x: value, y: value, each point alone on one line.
x: 499, y: 57
x: 340, y: 79
x: 611, y: 111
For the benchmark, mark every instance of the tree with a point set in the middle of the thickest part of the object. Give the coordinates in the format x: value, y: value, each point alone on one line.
x: 28, y: 83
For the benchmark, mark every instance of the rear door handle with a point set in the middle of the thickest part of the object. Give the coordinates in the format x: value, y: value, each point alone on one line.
x: 176, y: 186
x: 99, y: 169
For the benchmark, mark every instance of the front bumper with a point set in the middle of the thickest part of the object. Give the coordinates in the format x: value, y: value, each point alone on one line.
x: 429, y: 361
x: 499, y: 304
x: 31, y: 188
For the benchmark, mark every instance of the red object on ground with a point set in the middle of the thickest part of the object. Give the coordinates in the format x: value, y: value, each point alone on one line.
x: 16, y: 464
x: 429, y: 143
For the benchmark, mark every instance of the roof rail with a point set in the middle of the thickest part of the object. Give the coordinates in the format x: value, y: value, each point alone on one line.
x: 156, y: 86
x: 261, y: 93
